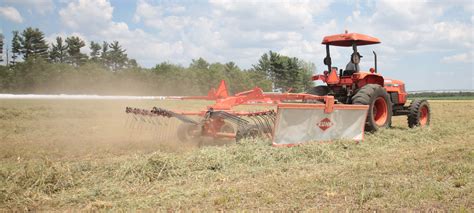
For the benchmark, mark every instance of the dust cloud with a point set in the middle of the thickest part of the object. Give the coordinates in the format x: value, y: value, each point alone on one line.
x: 88, y: 128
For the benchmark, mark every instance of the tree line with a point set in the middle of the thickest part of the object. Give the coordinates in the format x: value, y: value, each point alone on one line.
x: 37, y: 66
x: 459, y: 94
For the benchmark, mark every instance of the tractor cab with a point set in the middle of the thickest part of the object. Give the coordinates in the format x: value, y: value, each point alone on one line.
x: 348, y: 40
x: 346, y: 83
x: 385, y: 97
x: 352, y: 70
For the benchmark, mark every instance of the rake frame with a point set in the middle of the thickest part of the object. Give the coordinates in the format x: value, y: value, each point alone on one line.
x: 215, y: 116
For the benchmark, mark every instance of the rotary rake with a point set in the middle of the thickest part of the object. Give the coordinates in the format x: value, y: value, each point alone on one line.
x: 221, y: 121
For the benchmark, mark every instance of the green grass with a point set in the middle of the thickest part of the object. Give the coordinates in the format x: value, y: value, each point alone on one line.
x: 59, y: 155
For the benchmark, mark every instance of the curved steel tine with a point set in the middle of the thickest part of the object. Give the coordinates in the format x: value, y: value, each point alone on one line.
x: 262, y: 125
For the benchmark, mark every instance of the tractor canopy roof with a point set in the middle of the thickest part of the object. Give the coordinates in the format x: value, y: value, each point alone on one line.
x: 346, y: 39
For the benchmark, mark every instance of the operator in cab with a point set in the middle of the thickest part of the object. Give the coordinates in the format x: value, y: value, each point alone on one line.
x: 353, y: 65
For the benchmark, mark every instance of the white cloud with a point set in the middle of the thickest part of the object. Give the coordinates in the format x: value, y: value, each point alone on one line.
x: 168, y: 19
x: 414, y: 26
x: 90, y: 15
x: 241, y: 31
x: 11, y: 14
x: 93, y: 19
x: 467, y: 57
x: 176, y: 9
x: 455, y: 33
x: 406, y: 11
x: 40, y: 6
x: 277, y: 15
x: 149, y: 12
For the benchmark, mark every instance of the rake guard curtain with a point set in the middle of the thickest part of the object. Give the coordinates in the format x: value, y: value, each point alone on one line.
x: 298, y: 123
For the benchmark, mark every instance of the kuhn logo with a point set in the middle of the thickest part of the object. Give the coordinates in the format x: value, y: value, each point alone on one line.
x: 325, y: 124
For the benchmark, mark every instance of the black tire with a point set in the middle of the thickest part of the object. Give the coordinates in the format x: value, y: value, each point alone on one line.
x: 247, y: 132
x: 417, y: 116
x: 319, y: 90
x: 369, y: 95
x: 187, y: 132
x: 227, y: 128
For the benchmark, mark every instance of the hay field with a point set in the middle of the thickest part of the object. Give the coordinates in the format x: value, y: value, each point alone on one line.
x: 60, y: 155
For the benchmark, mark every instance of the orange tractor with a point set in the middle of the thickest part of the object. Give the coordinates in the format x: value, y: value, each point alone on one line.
x: 385, y: 97
x: 351, y: 102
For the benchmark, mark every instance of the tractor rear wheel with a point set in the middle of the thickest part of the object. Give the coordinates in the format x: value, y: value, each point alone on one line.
x: 319, y: 90
x: 380, y: 106
x: 419, y: 113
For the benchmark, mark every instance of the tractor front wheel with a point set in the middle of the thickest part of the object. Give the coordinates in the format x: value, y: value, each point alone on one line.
x: 419, y: 113
x: 380, y: 106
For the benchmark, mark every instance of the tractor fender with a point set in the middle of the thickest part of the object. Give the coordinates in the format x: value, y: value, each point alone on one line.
x: 370, y: 79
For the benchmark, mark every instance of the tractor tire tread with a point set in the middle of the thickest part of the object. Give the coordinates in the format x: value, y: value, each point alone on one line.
x: 364, y: 92
x: 365, y: 96
x: 413, y: 117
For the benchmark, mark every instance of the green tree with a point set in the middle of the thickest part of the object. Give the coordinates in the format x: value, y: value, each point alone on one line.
x: 264, y: 65
x: 229, y: 66
x: 132, y: 63
x: 235, y: 77
x: 16, y: 46
x: 34, y: 75
x: 33, y: 44
x: 205, y: 77
x: 5, y: 78
x: 199, y: 63
x: 58, y: 53
x: 118, y: 57
x: 308, y: 69
x: 175, y: 80
x: 74, y: 45
x: 257, y: 78
x: 95, y: 51
x: 77, y: 75
x: 285, y: 72
x: 104, y: 54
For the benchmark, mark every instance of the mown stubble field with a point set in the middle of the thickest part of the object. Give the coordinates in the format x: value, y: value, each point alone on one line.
x: 59, y: 155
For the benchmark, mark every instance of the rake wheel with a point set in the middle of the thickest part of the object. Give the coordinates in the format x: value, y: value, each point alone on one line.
x: 188, y: 132
x: 250, y: 132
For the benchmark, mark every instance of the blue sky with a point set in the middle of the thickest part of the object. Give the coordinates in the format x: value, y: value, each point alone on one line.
x: 428, y: 44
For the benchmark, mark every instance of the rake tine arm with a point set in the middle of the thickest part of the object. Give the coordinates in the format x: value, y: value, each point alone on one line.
x: 161, y: 112
x: 261, y: 124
